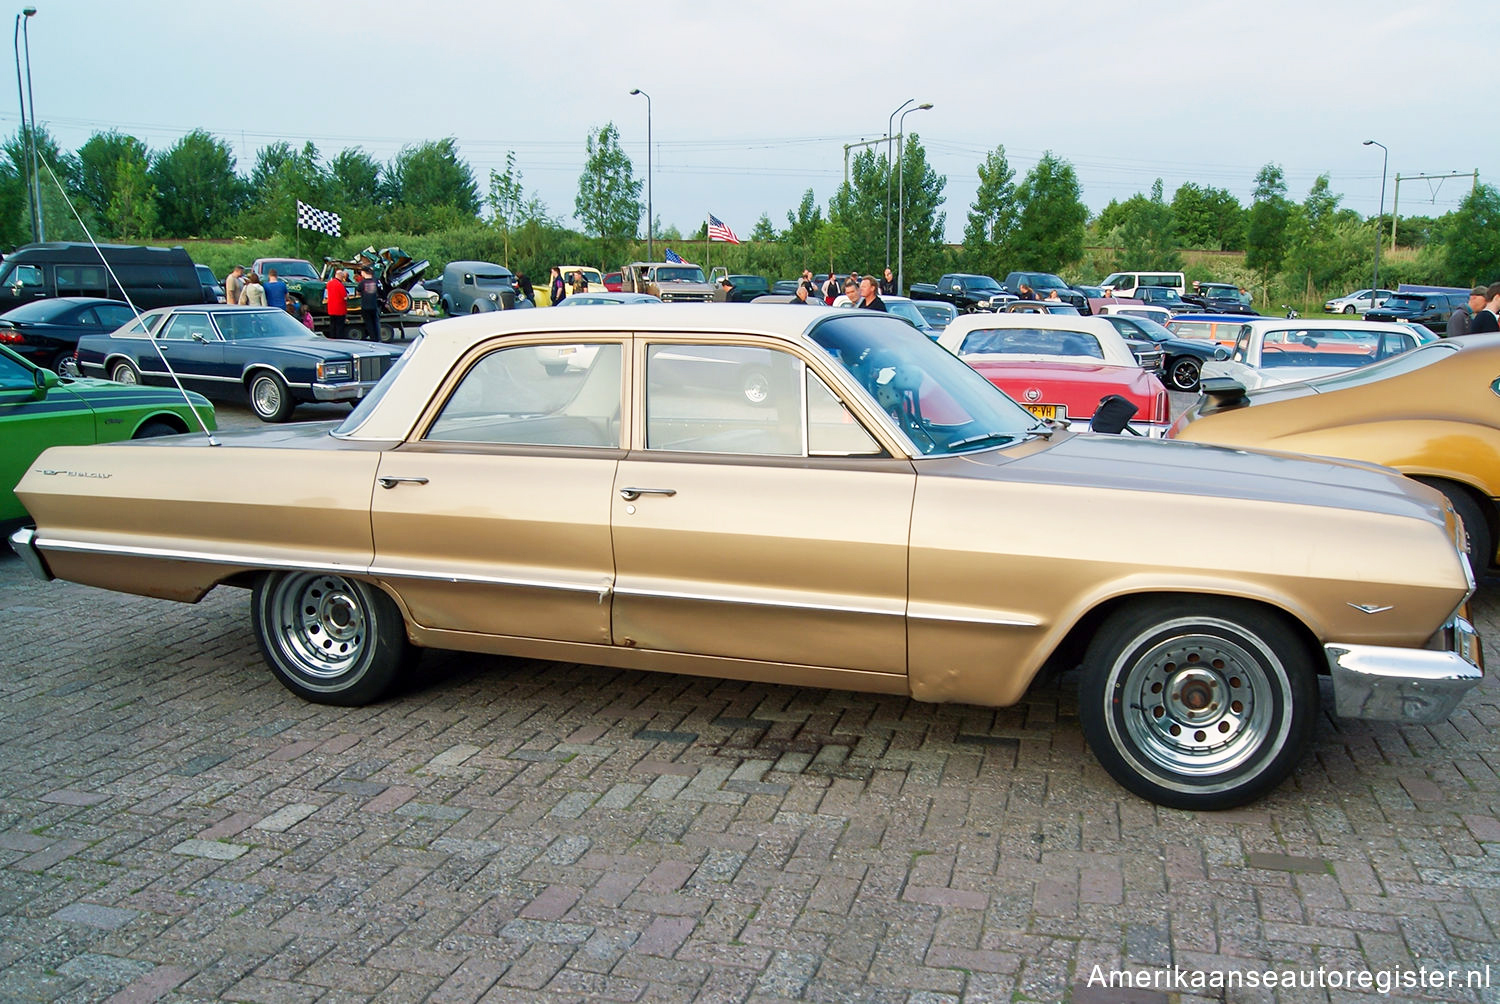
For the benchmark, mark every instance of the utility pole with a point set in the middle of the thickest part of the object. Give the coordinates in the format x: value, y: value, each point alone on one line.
x: 1395, y: 205
x: 856, y: 146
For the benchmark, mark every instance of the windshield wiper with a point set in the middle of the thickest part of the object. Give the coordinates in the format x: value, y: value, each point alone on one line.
x: 1002, y: 437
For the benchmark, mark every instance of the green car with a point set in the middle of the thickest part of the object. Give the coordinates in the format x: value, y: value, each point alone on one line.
x: 39, y: 409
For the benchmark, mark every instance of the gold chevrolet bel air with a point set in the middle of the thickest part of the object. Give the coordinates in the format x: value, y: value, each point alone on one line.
x: 796, y: 495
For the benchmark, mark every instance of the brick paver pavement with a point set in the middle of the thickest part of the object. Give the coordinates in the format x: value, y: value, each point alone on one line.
x: 175, y: 826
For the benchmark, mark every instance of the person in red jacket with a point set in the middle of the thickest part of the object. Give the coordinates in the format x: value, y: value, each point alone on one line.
x: 337, y: 298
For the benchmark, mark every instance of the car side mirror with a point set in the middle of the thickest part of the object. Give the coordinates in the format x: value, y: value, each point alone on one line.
x: 1221, y: 353
x: 45, y: 381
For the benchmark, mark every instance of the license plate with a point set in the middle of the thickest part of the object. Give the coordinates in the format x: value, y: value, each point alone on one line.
x: 1049, y: 412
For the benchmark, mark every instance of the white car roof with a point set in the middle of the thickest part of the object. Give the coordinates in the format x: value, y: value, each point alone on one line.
x: 1263, y: 324
x: 1116, y: 352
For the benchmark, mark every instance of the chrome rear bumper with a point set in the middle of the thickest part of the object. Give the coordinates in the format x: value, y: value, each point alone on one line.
x: 23, y: 543
x: 1414, y: 685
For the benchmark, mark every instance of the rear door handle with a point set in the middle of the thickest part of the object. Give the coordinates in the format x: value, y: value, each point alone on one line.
x: 390, y: 482
x: 631, y: 494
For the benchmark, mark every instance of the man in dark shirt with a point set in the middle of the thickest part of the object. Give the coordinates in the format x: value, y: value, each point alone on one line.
x: 1484, y: 319
x: 869, y: 298
x: 369, y: 304
x: 1462, y: 317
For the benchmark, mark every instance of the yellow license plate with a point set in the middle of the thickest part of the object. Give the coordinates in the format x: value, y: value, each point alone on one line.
x: 1048, y: 412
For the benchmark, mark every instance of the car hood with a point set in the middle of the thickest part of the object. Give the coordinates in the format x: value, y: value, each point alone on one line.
x: 1129, y: 463
x: 107, y: 393
x: 316, y: 347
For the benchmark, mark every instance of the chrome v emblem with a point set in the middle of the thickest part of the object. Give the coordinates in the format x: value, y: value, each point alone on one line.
x: 1370, y: 608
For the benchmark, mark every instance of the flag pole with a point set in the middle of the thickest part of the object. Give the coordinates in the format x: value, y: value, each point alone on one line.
x: 707, y: 240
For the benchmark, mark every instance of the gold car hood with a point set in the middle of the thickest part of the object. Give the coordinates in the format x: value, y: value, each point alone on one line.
x: 1167, y: 467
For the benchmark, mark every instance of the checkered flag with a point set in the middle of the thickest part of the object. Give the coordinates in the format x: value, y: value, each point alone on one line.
x: 320, y: 220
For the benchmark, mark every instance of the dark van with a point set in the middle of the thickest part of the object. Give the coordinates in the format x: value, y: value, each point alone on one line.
x: 151, y: 277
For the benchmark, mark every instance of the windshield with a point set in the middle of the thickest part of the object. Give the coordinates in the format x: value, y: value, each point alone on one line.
x: 941, y: 404
x: 680, y: 273
x: 292, y: 270
x: 938, y: 314
x: 493, y: 278
x: 907, y: 310
x: 1144, y: 327
x: 983, y: 282
x: 245, y: 325
x: 1044, y: 281
x: 1400, y: 302
x: 1030, y: 342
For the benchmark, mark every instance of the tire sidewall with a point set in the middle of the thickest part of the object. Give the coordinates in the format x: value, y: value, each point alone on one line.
x: 1196, y: 369
x: 373, y: 670
x: 284, y: 402
x: 1134, y: 631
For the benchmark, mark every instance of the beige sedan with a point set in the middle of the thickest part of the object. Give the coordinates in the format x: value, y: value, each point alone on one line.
x: 809, y: 497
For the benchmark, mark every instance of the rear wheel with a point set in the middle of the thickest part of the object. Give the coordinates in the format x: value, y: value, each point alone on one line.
x: 329, y: 639
x: 124, y: 372
x: 1197, y: 703
x: 269, y: 397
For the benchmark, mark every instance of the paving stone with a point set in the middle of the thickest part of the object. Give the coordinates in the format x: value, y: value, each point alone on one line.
x: 213, y: 849
x: 286, y: 817
x: 105, y: 917
x: 66, y: 796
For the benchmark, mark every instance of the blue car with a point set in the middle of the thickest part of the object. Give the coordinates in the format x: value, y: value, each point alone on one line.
x: 258, y: 354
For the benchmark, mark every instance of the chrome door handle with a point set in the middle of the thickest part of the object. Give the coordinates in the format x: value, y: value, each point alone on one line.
x: 390, y: 482
x: 631, y: 494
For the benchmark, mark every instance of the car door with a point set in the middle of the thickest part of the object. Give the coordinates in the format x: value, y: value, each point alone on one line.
x: 189, y: 342
x: 32, y: 419
x: 495, y: 517
x: 754, y: 518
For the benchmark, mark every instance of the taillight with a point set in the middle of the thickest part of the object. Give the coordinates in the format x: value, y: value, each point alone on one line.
x: 10, y: 336
x: 1163, y: 408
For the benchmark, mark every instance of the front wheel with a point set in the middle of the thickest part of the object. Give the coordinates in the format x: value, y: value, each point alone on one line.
x: 328, y: 639
x: 1202, y: 703
x: 269, y: 398
x: 1348, y: 308
x: 1184, y: 373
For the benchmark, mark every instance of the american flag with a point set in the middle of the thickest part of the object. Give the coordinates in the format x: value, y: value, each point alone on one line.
x: 718, y: 231
x: 320, y: 220
x: 674, y: 257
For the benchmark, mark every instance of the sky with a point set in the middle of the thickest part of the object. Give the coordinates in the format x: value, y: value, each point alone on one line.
x: 753, y: 104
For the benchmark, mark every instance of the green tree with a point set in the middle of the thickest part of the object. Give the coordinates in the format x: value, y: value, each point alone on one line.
x: 800, y: 238
x: 282, y: 176
x: 921, y: 188
x: 1472, y: 238
x: 1147, y: 235
x: 433, y: 185
x: 101, y: 162
x: 1265, y: 235
x: 57, y: 175
x: 131, y: 213
x: 197, y: 190
x: 505, y: 198
x: 355, y: 189
x: 1208, y: 218
x: 764, y: 230
x: 1049, y: 235
x: 993, y: 217
x: 15, y: 220
x: 609, y: 196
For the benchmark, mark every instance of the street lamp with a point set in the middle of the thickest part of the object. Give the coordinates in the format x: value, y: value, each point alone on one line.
x: 650, y: 219
x: 33, y: 186
x: 888, y: 125
x: 1384, y: 160
x: 901, y: 202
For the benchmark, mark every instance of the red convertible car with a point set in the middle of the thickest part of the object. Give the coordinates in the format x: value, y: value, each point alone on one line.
x: 1059, y: 367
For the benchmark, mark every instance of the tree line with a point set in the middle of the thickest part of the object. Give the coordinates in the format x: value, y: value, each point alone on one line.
x: 427, y: 199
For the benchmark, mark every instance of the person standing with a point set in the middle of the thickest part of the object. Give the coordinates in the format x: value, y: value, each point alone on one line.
x: 1461, y: 321
x: 888, y: 284
x: 369, y: 303
x: 337, y: 299
x: 869, y: 296
x: 252, y: 293
x: 725, y: 290
x: 830, y: 289
x: 559, y: 289
x: 523, y: 287
x: 275, y: 290
x: 580, y: 284
x: 1484, y: 318
x: 234, y: 282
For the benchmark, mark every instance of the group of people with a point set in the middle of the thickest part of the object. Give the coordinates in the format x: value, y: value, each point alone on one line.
x: 1481, y: 313
x: 853, y: 290
x: 246, y: 288
x: 562, y: 285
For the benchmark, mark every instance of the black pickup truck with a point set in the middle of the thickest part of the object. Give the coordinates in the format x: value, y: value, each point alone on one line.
x: 968, y: 293
x: 1041, y: 285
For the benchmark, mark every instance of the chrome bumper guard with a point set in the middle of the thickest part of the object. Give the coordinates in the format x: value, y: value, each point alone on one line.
x: 342, y: 391
x: 1414, y: 685
x: 23, y: 543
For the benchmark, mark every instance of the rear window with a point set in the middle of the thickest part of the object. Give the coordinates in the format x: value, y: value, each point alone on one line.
x: 1030, y: 341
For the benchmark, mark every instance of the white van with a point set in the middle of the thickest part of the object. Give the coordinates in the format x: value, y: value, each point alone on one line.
x: 1124, y: 284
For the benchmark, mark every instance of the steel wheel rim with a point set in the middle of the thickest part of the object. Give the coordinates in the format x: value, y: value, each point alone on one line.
x: 266, y: 396
x: 124, y: 374
x: 322, y: 625
x: 1196, y: 703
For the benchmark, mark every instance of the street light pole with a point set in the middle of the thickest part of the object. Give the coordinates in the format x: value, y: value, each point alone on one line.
x: 1384, y: 161
x: 901, y: 202
x: 29, y: 167
x: 888, y: 134
x: 36, y: 178
x: 650, y: 219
